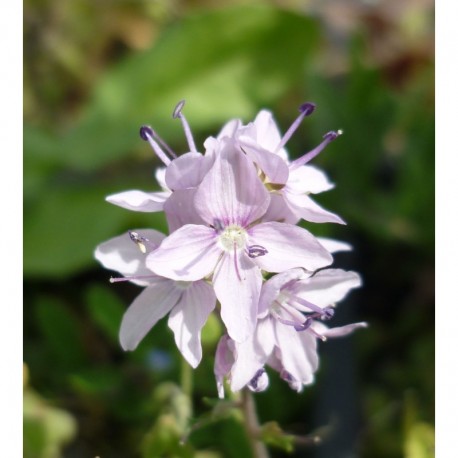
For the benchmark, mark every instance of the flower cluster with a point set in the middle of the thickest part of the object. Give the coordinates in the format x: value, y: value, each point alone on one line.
x: 232, y: 212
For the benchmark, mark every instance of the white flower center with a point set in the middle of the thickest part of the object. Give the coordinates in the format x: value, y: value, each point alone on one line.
x: 233, y: 236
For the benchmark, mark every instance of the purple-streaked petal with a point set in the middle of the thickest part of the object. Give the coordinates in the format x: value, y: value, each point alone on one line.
x: 187, y: 171
x: 160, y: 177
x: 139, y: 201
x: 271, y: 288
x: 188, y: 254
x: 152, y: 304
x: 231, y: 192
x: 308, y: 179
x: 294, y: 356
x: 122, y: 255
x: 268, y: 134
x: 279, y: 211
x: 179, y: 209
x: 334, y: 246
x: 224, y: 359
x: 189, y: 316
x: 252, y: 354
x: 237, y: 282
x: 273, y: 166
x: 287, y: 247
x: 229, y: 129
x: 306, y: 208
x: 327, y: 286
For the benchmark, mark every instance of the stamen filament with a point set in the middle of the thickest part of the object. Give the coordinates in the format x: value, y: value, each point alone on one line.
x: 327, y: 312
x: 147, y: 134
x: 177, y: 113
x: 164, y: 145
x: 307, y: 157
x: 306, y: 109
x: 133, y: 277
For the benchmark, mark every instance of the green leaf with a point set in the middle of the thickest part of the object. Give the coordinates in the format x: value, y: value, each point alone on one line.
x: 106, y: 310
x: 65, y: 226
x: 46, y: 429
x: 272, y: 434
x: 60, y: 329
x: 225, y: 63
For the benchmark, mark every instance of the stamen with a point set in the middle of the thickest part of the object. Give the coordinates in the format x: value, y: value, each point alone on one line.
x: 147, y: 134
x: 255, y: 251
x: 141, y: 242
x: 217, y: 225
x: 306, y: 109
x: 319, y: 336
x: 164, y: 144
x: 328, y: 138
x: 325, y: 313
x: 177, y: 113
x: 134, y: 277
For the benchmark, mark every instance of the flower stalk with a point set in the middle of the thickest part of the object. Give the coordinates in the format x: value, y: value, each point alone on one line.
x: 252, y: 426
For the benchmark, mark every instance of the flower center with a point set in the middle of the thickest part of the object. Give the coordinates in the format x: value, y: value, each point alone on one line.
x: 233, y: 237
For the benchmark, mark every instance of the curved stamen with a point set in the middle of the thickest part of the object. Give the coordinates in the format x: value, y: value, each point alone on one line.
x: 255, y: 251
x: 177, y: 113
x: 323, y: 313
x: 133, y: 277
x: 307, y: 157
x: 306, y: 109
x: 147, y: 134
x: 164, y: 145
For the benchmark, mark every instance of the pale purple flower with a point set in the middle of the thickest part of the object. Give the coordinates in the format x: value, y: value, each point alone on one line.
x: 231, y: 248
x: 290, y: 183
x: 187, y: 303
x: 290, y: 307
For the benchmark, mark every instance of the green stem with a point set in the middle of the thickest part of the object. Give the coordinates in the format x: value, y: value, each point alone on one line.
x: 186, y: 378
x: 252, y: 426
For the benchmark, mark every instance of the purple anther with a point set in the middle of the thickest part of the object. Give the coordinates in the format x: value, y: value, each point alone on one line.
x: 259, y: 382
x: 307, y: 108
x: 177, y: 113
x: 178, y: 108
x: 148, y: 134
x: 328, y: 313
x: 332, y: 135
x: 145, y: 132
x: 307, y: 157
x: 254, y: 251
x: 254, y: 384
x: 218, y: 225
x: 142, y: 243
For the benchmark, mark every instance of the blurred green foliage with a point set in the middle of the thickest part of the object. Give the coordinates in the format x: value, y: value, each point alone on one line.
x: 93, y: 73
